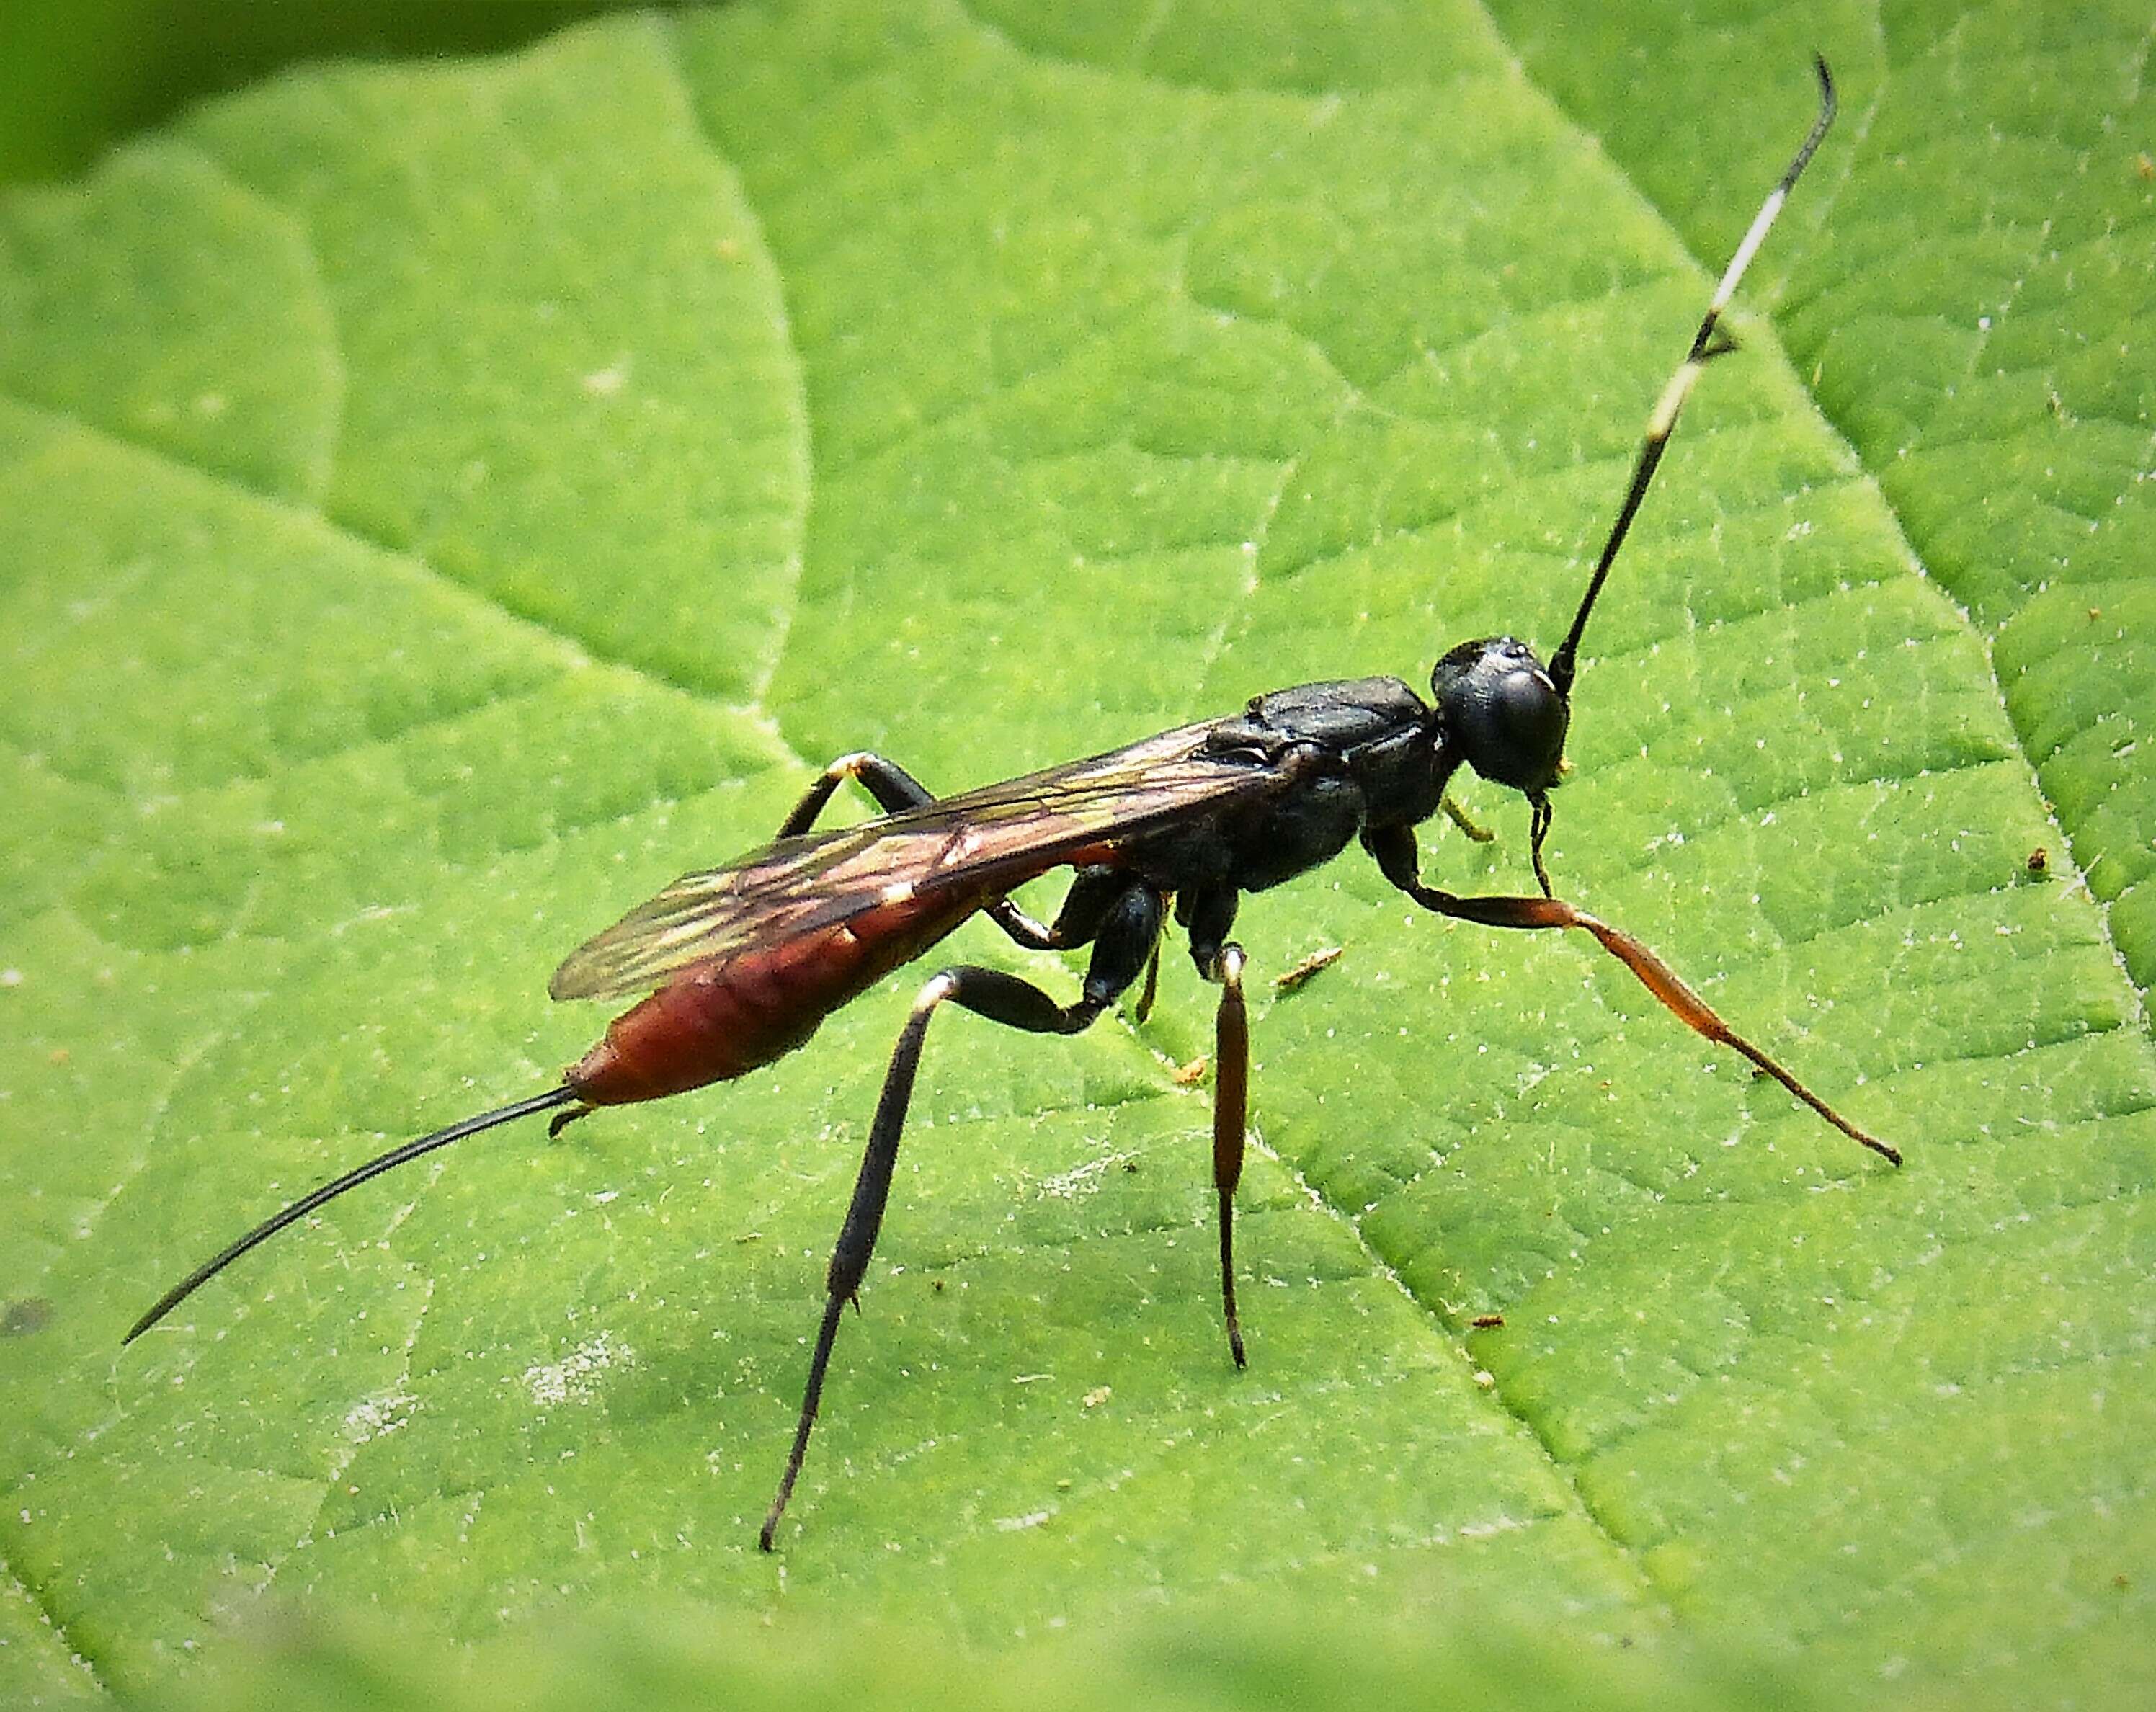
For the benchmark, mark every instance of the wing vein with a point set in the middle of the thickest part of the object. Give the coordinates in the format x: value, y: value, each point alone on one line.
x: 989, y: 840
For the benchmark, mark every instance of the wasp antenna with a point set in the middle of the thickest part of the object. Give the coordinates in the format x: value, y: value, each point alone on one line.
x: 1704, y: 348
x: 352, y: 1179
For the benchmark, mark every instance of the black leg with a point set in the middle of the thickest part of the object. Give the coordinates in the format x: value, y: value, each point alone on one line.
x: 1394, y: 848
x: 897, y: 790
x: 1125, y: 939
x: 1094, y: 895
x: 1151, y: 990
x: 1209, y: 915
x: 1231, y: 1101
x: 894, y: 788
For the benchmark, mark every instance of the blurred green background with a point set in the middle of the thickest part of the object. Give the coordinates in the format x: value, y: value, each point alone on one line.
x: 77, y: 76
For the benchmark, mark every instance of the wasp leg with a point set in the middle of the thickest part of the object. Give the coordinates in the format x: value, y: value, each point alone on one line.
x: 1209, y: 914
x: 893, y: 788
x: 1125, y: 940
x: 897, y: 790
x: 1151, y: 988
x: 1231, y: 1099
x: 1394, y: 849
x: 1465, y: 822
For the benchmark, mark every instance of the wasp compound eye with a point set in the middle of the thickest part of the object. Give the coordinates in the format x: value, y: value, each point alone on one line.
x: 1501, y: 712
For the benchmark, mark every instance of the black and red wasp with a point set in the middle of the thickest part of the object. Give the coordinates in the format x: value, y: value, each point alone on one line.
x: 739, y: 964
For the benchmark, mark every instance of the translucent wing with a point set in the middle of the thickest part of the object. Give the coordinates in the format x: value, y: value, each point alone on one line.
x: 984, y: 841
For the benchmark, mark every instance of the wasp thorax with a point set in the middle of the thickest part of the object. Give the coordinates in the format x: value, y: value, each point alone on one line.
x: 1501, y: 714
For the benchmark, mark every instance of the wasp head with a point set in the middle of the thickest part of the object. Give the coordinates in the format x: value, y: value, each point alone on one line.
x: 1499, y: 711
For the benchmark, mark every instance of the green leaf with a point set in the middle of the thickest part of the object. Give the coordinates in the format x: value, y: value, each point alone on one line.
x: 439, y: 505
x: 1258, y: 1654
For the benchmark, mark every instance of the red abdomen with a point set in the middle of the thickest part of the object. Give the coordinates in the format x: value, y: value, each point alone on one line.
x: 717, y: 1021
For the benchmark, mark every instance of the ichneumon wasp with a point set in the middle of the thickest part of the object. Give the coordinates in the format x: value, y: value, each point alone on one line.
x: 738, y: 965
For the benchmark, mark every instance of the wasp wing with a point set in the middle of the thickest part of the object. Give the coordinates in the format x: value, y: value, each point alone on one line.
x: 984, y: 841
